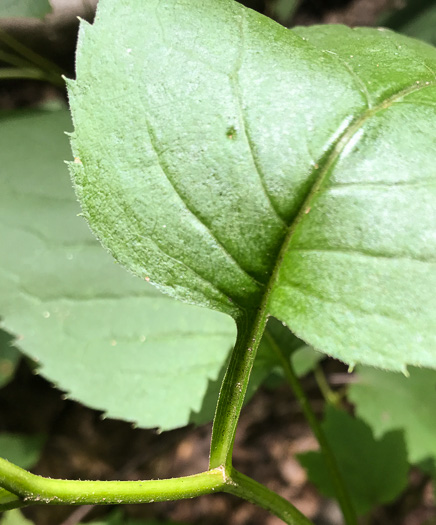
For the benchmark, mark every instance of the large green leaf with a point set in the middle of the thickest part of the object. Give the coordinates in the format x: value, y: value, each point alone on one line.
x: 108, y: 339
x: 24, y: 8
x: 231, y: 161
x: 375, y: 471
x: 388, y: 401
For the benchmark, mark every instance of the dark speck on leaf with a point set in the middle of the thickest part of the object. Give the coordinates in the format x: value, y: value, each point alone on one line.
x: 231, y: 132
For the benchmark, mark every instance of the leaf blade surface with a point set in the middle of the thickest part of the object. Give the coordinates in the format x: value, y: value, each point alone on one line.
x: 244, y: 162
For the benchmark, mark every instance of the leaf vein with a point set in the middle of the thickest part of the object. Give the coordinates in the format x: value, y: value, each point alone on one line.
x: 323, y: 176
x: 192, y: 211
x: 235, y: 84
x: 366, y: 253
x: 224, y: 297
x: 360, y: 83
x: 377, y: 185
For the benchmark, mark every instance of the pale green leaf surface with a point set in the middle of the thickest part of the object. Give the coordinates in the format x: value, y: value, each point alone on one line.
x: 106, y: 338
x: 229, y: 160
x: 24, y: 8
x: 21, y: 449
x: 15, y: 517
x: 9, y: 358
x: 389, y: 401
x: 374, y: 470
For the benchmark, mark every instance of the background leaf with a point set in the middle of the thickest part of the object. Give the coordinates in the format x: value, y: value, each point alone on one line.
x: 262, y: 140
x: 9, y: 358
x: 423, y: 26
x: 304, y: 358
x: 15, y: 517
x: 23, y: 450
x: 375, y: 471
x: 109, y: 340
x: 388, y: 401
x: 414, y: 18
x: 24, y: 8
x: 282, y: 10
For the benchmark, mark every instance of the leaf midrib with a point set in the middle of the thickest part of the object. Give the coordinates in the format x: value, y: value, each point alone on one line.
x: 324, y: 171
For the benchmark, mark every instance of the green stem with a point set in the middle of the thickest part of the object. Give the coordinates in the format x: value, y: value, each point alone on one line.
x: 340, y: 488
x: 234, y: 388
x: 22, y: 488
x: 34, y: 489
x: 250, y: 490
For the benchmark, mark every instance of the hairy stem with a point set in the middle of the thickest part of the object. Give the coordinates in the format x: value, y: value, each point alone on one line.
x: 248, y: 489
x: 342, y: 494
x: 234, y: 388
x: 21, y: 488
x: 32, y: 489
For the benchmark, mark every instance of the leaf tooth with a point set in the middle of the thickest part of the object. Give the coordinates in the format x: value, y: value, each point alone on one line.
x: 72, y: 91
x: 84, y: 27
x: 15, y: 337
x: 70, y: 83
x: 67, y: 395
x: 83, y: 23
